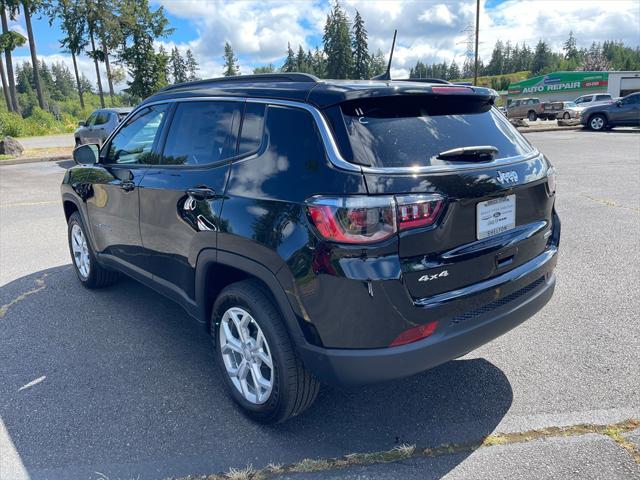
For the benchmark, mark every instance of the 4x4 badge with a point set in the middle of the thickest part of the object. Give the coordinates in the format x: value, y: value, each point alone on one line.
x: 507, y: 177
x: 435, y: 276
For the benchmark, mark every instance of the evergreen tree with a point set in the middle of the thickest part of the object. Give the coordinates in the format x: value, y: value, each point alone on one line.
x: 569, y: 47
x: 164, y: 66
x: 140, y: 27
x: 10, y: 40
x: 301, y: 61
x: 290, y: 62
x: 230, y: 61
x: 378, y: 64
x: 454, y: 71
x: 192, y: 66
x: 541, y: 61
x: 266, y: 69
x: 337, y: 44
x: 360, y: 49
x: 319, y: 63
x: 178, y: 67
x: 496, y: 64
x: 63, y: 80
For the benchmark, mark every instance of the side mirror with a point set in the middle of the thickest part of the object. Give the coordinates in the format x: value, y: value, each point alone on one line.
x: 81, y: 123
x: 86, y: 154
x: 619, y: 103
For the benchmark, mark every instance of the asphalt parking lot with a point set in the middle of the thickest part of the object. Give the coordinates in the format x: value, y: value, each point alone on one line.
x: 119, y: 384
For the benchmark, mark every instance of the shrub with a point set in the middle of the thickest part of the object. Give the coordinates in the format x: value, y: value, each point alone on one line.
x: 11, y: 124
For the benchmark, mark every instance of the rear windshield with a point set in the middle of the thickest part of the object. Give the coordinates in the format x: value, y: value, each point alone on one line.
x: 412, y: 131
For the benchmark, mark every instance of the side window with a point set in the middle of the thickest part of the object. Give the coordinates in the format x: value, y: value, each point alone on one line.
x: 134, y: 142
x: 102, y: 118
x: 202, y: 133
x: 252, y: 128
x: 603, y: 97
x: 91, y: 120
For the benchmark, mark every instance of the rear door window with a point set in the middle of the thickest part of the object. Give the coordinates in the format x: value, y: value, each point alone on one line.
x: 202, y: 133
x: 252, y: 128
x: 410, y: 131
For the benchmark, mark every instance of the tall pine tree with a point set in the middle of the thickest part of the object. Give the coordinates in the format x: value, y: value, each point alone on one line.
x: 230, y: 62
x: 337, y: 44
x: 360, y: 49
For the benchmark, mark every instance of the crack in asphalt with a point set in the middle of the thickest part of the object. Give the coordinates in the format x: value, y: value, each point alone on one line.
x: 610, y: 203
x: 404, y: 452
x: 40, y: 285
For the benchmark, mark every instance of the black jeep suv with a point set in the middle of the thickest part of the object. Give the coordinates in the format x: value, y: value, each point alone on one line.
x: 322, y: 231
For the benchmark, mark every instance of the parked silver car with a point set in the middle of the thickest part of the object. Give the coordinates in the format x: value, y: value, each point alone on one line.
x: 99, y: 125
x: 563, y: 110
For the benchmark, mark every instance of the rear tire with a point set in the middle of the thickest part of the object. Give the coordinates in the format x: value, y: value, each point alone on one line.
x: 598, y: 122
x: 285, y: 388
x: 532, y: 116
x: 90, y: 273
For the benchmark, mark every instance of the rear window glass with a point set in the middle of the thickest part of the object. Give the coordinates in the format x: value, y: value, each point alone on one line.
x: 252, y: 127
x: 410, y: 131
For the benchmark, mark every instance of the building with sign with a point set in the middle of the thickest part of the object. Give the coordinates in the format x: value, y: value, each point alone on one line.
x: 568, y: 86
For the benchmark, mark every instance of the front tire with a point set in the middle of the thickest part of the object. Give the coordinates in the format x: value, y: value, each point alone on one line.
x: 90, y: 273
x: 566, y: 116
x: 598, y: 122
x: 255, y: 355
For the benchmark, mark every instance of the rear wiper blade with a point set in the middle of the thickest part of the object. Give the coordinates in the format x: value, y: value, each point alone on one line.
x: 479, y: 152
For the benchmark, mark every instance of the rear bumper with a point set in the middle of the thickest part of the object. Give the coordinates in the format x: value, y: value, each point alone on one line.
x: 458, y: 336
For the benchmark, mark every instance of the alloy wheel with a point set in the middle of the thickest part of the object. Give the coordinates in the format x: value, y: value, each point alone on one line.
x: 80, y: 251
x: 597, y: 123
x: 246, y: 355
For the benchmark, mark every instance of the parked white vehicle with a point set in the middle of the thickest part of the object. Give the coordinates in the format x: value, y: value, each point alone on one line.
x: 593, y: 99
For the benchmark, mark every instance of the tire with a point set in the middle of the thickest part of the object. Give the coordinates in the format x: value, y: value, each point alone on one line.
x: 566, y: 115
x: 293, y: 388
x: 597, y: 122
x: 78, y: 143
x: 531, y: 116
x: 91, y: 274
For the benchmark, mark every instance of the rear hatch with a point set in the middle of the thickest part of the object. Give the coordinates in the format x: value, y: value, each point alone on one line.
x: 496, y: 203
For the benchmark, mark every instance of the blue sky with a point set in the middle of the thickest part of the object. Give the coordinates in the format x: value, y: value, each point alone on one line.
x: 427, y: 30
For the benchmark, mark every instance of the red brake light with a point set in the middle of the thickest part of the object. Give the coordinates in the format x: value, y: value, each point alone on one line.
x: 353, y: 219
x: 371, y: 219
x: 414, y: 334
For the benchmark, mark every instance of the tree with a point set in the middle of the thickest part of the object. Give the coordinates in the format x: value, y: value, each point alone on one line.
x: 302, y: 65
x: 569, y: 47
x: 337, y: 44
x: 230, y: 61
x: 191, y: 66
x: 360, y: 49
x: 29, y: 7
x: 109, y: 33
x: 541, y: 60
x: 10, y: 40
x: 72, y: 16
x: 178, y: 67
x: 496, y: 64
x: 319, y: 63
x: 163, y: 59
x: 140, y: 27
x: 290, y: 62
x: 454, y: 71
x: 594, y: 60
x: 5, y: 87
x: 378, y: 64
x: 265, y: 69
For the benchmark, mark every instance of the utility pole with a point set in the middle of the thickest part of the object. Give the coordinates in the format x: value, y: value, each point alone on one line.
x: 475, y: 69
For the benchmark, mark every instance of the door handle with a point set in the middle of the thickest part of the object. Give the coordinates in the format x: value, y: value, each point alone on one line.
x: 127, y: 185
x: 201, y: 193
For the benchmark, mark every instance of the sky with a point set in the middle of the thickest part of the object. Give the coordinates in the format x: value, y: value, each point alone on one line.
x: 428, y: 30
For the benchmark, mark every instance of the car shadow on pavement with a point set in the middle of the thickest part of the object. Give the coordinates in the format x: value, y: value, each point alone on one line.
x: 120, y: 381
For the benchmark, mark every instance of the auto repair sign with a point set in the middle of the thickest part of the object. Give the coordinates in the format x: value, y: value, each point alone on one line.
x: 560, y: 81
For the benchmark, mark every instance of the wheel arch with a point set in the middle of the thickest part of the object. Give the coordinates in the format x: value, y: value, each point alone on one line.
x: 217, y: 269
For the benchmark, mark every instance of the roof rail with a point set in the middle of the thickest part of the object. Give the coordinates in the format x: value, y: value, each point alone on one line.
x: 427, y: 80
x: 260, y: 77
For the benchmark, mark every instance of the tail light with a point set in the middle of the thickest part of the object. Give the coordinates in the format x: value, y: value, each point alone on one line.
x: 370, y: 219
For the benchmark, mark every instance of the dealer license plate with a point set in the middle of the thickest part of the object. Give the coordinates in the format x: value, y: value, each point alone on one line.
x: 495, y: 216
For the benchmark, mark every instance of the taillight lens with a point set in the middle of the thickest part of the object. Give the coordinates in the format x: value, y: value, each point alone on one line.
x: 353, y: 219
x: 370, y: 219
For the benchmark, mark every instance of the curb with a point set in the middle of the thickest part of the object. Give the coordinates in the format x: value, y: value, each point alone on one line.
x: 554, y: 129
x: 18, y: 161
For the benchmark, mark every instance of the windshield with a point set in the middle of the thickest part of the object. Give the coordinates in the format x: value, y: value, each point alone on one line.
x: 410, y: 131
x: 569, y: 104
